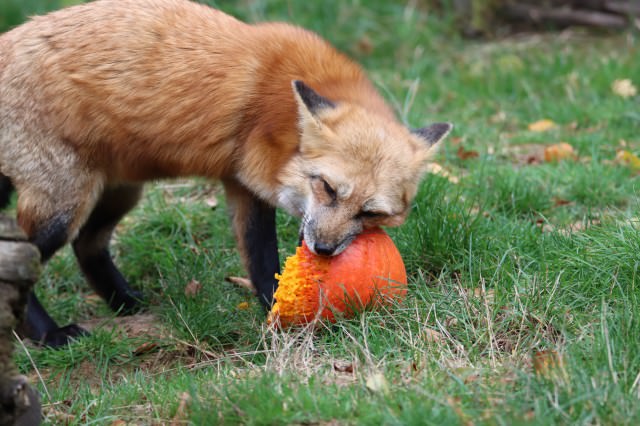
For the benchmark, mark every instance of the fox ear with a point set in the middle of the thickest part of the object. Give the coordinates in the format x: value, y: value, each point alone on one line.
x: 434, y: 133
x: 308, y: 99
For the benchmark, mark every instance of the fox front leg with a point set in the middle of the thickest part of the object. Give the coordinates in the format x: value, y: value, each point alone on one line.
x: 254, y: 225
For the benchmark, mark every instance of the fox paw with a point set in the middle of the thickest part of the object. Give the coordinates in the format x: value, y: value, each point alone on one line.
x: 63, y: 336
x: 128, y: 303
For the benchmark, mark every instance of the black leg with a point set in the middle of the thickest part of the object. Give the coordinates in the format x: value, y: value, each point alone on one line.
x: 254, y: 223
x: 92, y: 248
x: 38, y: 325
x: 107, y: 281
x: 261, y: 243
x: 6, y: 188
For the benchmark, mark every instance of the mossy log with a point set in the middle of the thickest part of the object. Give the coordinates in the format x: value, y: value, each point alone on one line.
x: 19, y: 270
x: 490, y: 17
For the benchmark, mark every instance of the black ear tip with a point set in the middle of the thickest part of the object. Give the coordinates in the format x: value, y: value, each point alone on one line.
x: 311, y: 99
x: 442, y: 127
x: 434, y: 133
x: 302, y: 88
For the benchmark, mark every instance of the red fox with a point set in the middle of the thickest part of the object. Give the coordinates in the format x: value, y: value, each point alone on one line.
x: 98, y: 98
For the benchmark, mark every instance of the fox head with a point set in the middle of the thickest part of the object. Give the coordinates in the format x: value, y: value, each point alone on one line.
x: 353, y: 170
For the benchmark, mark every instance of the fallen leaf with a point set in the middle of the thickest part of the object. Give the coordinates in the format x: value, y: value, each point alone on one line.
x: 119, y: 423
x: 377, y: 383
x: 489, y: 294
x: 532, y: 159
x: 569, y: 229
x: 558, y: 152
x: 242, y: 283
x: 628, y: 159
x: 93, y: 299
x: 471, y: 378
x: 464, y: 154
x: 544, y: 225
x: 547, y: 363
x: 510, y: 63
x: 542, y: 125
x: 145, y: 348
x: 624, y: 88
x: 211, y: 201
x: 343, y: 367
x: 365, y: 45
x: 557, y: 202
x: 524, y: 154
x: 498, y: 117
x: 192, y: 288
x: 450, y: 321
x: 432, y: 336
x: 437, y: 169
x: 243, y: 306
x: 455, y: 140
x: 57, y: 416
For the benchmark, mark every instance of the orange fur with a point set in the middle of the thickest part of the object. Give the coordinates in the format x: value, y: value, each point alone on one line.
x: 144, y: 89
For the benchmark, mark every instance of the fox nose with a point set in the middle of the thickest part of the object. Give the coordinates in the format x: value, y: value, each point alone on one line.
x: 324, y: 249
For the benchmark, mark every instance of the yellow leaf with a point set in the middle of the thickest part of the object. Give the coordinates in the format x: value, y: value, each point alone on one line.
x: 510, y: 63
x: 377, y: 383
x: 558, y: 152
x: 542, y: 125
x: 243, y: 306
x: 437, y: 169
x: 628, y: 159
x: 624, y: 88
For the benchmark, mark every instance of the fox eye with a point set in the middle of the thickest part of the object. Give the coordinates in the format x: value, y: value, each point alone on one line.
x: 329, y: 190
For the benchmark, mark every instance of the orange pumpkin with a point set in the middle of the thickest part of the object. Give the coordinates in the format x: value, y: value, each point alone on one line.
x: 367, y: 273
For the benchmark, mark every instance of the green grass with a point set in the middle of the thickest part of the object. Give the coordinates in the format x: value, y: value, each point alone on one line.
x: 513, y: 260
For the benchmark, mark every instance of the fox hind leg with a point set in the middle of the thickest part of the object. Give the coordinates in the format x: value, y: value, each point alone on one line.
x: 91, y: 248
x: 6, y: 188
x: 49, y: 236
x: 50, y: 212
